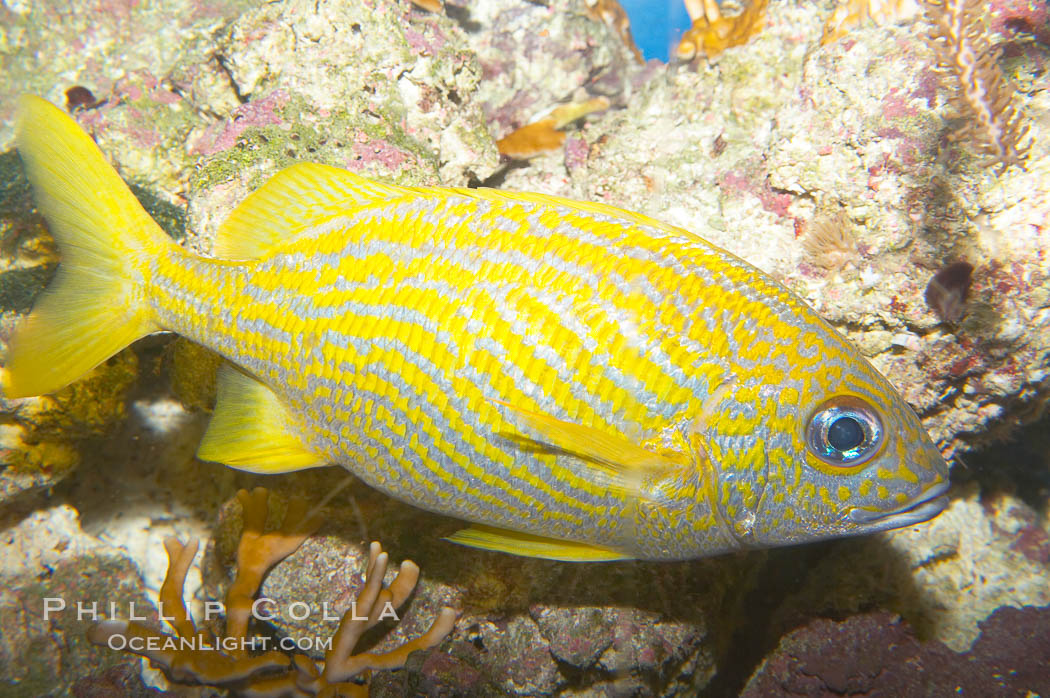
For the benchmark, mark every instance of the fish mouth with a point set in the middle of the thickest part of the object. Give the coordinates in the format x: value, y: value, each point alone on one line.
x: 920, y: 508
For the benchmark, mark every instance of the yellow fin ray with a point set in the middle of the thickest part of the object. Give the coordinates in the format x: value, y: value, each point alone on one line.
x: 529, y: 545
x: 250, y: 429
x: 96, y: 305
x: 295, y: 199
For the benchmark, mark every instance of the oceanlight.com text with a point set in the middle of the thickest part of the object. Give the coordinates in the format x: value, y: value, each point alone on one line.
x: 155, y: 643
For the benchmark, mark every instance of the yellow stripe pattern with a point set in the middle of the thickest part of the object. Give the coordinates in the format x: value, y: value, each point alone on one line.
x: 390, y: 329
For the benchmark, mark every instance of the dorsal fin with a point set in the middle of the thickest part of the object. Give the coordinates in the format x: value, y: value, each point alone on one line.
x: 296, y: 198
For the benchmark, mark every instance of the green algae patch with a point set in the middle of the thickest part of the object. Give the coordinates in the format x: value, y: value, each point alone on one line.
x: 192, y: 370
x: 42, y: 462
x: 40, y: 438
x: 15, y: 195
x: 23, y: 235
x: 171, y: 218
x: 19, y: 287
x: 89, y: 407
x: 356, y: 138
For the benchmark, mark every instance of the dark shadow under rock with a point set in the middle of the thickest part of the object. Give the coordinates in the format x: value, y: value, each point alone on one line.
x: 877, y: 654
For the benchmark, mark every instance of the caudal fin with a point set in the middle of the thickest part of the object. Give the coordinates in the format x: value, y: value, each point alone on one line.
x: 96, y: 304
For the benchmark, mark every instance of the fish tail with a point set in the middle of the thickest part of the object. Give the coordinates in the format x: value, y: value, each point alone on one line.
x: 97, y: 303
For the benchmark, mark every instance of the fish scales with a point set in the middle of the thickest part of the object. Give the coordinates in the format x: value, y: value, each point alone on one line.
x: 386, y: 322
x: 285, y: 282
x: 585, y: 382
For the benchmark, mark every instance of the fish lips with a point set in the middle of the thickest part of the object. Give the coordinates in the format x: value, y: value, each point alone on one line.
x: 920, y: 508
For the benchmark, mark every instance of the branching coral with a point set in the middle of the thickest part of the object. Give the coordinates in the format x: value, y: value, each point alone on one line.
x: 612, y: 14
x: 712, y: 33
x: 852, y: 13
x: 983, y: 98
x: 196, y: 657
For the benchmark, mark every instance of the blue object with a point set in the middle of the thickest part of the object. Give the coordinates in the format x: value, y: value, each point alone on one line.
x: 657, y: 25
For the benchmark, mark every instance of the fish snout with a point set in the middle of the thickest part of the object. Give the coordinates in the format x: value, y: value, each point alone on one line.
x: 922, y: 507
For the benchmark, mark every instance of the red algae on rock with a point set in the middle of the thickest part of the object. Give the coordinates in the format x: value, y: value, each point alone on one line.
x: 224, y: 135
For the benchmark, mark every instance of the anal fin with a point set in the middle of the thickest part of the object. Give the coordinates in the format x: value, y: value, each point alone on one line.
x: 250, y: 429
x: 529, y: 545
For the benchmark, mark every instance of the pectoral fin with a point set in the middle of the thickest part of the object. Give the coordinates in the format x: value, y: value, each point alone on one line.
x: 626, y: 460
x: 528, y: 545
x: 250, y: 429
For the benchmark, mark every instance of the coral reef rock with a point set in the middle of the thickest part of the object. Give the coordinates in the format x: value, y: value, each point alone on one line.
x: 49, y: 566
x: 945, y: 576
x: 527, y: 627
x: 535, y: 56
x: 750, y: 150
x: 878, y: 654
x: 829, y: 167
x: 379, y: 88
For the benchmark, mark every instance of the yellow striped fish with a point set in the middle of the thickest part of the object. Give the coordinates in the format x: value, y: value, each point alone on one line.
x: 581, y: 382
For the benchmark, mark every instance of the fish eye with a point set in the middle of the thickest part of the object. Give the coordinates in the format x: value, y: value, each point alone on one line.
x: 844, y: 431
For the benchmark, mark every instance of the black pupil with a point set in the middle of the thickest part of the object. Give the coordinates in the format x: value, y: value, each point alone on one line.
x: 845, y: 434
